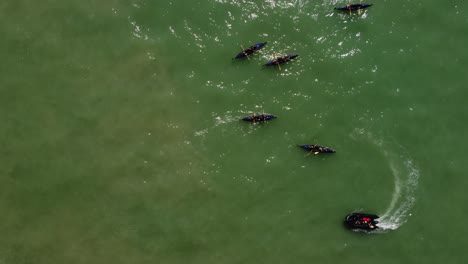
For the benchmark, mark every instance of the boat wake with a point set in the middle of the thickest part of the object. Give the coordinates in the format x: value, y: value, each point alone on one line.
x: 406, y: 176
x: 228, y: 118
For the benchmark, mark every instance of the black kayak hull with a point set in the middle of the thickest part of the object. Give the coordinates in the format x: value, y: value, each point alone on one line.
x: 353, y: 7
x: 250, y: 50
x: 259, y: 118
x: 361, y: 221
x: 317, y: 148
x: 284, y: 59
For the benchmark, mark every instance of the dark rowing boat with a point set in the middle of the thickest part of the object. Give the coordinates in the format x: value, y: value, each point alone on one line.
x: 259, y: 118
x: 353, y: 7
x: 281, y: 60
x: 250, y: 50
x: 316, y: 149
x: 361, y: 221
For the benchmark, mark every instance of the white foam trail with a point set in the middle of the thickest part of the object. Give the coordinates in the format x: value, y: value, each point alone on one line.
x: 406, y: 176
x: 223, y: 119
x: 403, y: 197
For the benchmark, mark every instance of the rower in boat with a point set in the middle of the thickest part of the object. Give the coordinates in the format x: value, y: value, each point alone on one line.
x: 259, y: 118
x: 250, y: 50
x: 281, y: 60
x: 317, y: 149
x: 353, y: 7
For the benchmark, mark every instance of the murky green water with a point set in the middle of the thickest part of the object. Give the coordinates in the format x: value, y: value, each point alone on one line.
x: 120, y: 139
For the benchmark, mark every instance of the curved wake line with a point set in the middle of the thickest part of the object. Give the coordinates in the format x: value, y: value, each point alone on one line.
x: 406, y: 176
x: 403, y: 197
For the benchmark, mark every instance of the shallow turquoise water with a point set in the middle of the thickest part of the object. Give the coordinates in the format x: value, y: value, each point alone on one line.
x: 121, y: 140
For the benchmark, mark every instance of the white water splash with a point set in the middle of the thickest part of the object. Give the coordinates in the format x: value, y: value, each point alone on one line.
x: 137, y: 30
x: 406, y: 181
x: 406, y: 176
x: 228, y: 118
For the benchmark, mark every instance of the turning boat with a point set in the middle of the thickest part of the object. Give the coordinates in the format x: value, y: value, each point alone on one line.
x: 317, y: 149
x: 353, y: 7
x: 259, y: 118
x: 281, y: 60
x: 361, y: 221
x: 250, y: 50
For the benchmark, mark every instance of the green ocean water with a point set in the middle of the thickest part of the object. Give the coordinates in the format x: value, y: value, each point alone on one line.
x: 120, y: 139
